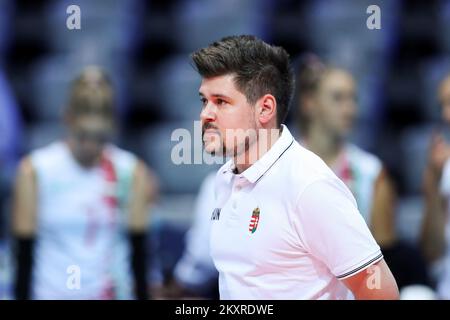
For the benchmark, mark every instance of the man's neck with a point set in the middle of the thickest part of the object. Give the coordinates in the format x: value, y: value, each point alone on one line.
x: 325, y: 146
x: 266, y: 138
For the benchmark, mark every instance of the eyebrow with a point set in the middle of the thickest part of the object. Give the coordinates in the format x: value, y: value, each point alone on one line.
x: 216, y: 95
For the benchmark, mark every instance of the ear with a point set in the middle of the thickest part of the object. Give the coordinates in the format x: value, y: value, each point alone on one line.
x: 267, y: 109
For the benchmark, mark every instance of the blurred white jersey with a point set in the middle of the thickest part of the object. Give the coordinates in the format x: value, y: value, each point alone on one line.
x: 81, y: 249
x: 359, y: 170
x: 196, y: 270
x: 444, y: 280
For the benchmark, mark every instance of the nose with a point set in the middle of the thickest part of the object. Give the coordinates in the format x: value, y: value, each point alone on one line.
x: 208, y: 113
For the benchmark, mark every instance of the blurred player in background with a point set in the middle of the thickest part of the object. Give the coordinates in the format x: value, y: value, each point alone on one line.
x: 326, y: 111
x: 81, y: 207
x: 436, y: 186
x: 195, y: 274
x: 11, y: 133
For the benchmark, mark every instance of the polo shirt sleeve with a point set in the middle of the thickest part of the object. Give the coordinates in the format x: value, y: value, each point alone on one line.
x: 332, y: 229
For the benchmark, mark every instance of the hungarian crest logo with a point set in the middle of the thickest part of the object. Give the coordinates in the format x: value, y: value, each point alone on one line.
x: 254, y: 220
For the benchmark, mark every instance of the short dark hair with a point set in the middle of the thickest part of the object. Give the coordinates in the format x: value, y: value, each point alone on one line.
x: 259, y: 68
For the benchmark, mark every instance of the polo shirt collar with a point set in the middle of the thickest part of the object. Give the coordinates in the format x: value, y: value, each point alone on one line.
x: 261, y: 166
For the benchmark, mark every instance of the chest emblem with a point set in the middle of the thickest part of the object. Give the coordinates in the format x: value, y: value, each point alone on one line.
x: 254, y: 221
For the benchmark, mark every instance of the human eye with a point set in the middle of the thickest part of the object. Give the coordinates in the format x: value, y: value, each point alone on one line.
x: 203, y: 101
x: 220, y: 102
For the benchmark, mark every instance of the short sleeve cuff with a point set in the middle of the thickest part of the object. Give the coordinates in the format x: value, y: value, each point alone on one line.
x: 374, y: 258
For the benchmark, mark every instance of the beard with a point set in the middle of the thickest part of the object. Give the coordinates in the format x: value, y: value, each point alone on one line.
x: 218, y: 150
x: 236, y: 150
x: 238, y: 145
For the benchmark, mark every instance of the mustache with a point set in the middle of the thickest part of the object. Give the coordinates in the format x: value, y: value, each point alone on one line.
x: 207, y: 126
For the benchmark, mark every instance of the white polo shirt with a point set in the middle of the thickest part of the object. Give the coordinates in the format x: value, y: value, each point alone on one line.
x: 287, y: 228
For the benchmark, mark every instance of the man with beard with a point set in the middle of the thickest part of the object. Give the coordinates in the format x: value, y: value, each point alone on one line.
x: 284, y: 227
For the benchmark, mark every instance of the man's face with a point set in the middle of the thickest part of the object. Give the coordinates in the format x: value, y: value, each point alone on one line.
x: 444, y: 99
x: 225, y: 116
x: 88, y: 135
x: 335, y: 107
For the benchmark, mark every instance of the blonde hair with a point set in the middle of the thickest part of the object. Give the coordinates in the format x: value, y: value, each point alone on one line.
x: 309, y: 72
x: 91, y: 93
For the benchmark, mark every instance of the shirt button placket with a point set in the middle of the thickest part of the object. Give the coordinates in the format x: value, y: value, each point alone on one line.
x: 234, y: 200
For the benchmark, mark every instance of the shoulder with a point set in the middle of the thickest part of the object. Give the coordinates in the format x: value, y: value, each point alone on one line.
x: 26, y: 167
x: 130, y: 167
x: 121, y: 156
x: 127, y: 164
x: 48, y: 156
x: 42, y: 159
x: 365, y: 161
x: 303, y: 167
x: 311, y: 178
